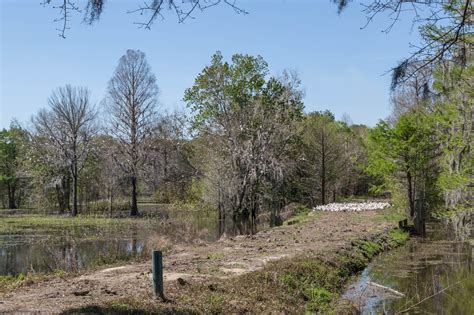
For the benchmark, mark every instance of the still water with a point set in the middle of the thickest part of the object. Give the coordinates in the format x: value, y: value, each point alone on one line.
x: 432, y: 275
x: 42, y: 250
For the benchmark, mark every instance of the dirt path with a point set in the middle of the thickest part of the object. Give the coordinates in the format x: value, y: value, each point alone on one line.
x: 323, y: 232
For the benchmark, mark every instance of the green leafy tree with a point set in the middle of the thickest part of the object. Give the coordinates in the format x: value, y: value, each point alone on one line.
x: 405, y: 156
x: 322, y: 150
x: 11, y: 146
x: 250, y: 121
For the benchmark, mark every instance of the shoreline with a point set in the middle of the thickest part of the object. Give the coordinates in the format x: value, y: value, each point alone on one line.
x: 290, y: 268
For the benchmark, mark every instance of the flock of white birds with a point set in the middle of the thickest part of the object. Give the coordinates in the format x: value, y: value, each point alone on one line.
x: 353, y: 206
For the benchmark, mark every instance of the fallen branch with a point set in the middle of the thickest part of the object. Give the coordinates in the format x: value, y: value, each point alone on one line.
x: 397, y: 293
x: 429, y: 297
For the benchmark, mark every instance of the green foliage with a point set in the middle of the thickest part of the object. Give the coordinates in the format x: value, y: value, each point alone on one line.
x: 331, y: 157
x: 223, y: 90
x: 249, y: 118
x: 403, y: 157
x: 398, y: 237
x: 215, y: 304
x: 300, y: 214
x: 12, y: 144
x: 318, y: 297
x: 9, y: 279
x: 381, y: 162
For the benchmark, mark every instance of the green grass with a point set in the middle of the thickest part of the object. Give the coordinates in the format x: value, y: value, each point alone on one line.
x: 33, y: 223
x: 398, y: 237
x: 390, y: 214
x: 301, y: 213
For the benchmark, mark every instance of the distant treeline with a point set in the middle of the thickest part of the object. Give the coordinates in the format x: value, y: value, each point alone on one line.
x: 245, y: 147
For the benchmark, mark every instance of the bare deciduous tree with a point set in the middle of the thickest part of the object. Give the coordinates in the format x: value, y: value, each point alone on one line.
x: 131, y: 104
x: 152, y: 9
x: 168, y: 171
x: 68, y: 127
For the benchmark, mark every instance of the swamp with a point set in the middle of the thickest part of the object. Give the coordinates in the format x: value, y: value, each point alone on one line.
x: 237, y: 157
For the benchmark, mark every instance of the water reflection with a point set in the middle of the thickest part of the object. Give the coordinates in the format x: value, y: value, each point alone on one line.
x: 435, y: 274
x: 66, y: 256
x: 81, y: 247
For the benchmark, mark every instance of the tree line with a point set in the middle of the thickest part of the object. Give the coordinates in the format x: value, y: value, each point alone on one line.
x: 423, y: 153
x: 246, y: 146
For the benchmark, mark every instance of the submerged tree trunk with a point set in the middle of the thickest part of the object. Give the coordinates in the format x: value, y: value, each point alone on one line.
x: 134, y: 206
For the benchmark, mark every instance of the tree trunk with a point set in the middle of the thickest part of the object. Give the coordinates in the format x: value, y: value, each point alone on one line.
x: 60, y: 197
x: 323, y: 171
x: 411, y: 200
x: 134, y: 208
x: 110, y: 200
x: 222, y: 218
x: 11, y: 196
x: 67, y: 192
x: 74, y: 194
x: 74, y: 189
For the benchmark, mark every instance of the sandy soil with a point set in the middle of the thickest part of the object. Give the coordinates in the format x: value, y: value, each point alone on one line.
x: 325, y: 232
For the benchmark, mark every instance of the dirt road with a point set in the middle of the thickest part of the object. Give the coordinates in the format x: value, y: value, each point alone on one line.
x: 324, y: 232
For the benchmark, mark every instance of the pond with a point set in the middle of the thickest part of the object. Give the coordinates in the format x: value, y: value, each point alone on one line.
x: 41, y: 243
x: 432, y: 275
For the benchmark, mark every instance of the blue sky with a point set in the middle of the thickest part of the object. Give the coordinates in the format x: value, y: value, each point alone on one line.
x: 341, y: 66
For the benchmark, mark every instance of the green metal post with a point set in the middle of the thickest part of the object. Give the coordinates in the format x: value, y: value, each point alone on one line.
x: 157, y: 268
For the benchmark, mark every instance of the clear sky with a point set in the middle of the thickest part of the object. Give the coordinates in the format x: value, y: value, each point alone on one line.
x: 341, y: 66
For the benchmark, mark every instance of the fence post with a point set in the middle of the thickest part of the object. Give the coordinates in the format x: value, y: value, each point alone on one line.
x: 157, y: 268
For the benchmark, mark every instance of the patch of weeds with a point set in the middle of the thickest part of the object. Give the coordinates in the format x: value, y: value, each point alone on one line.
x: 215, y: 304
x: 287, y: 279
x: 398, y: 237
x: 318, y: 299
x: 369, y: 248
x: 9, y: 279
x: 300, y: 215
x: 213, y: 270
x: 216, y: 256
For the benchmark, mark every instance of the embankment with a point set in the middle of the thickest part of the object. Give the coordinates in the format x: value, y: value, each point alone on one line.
x: 293, y: 269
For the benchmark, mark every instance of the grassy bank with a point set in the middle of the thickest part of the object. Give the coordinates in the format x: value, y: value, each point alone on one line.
x: 308, y: 283
x: 34, y: 223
